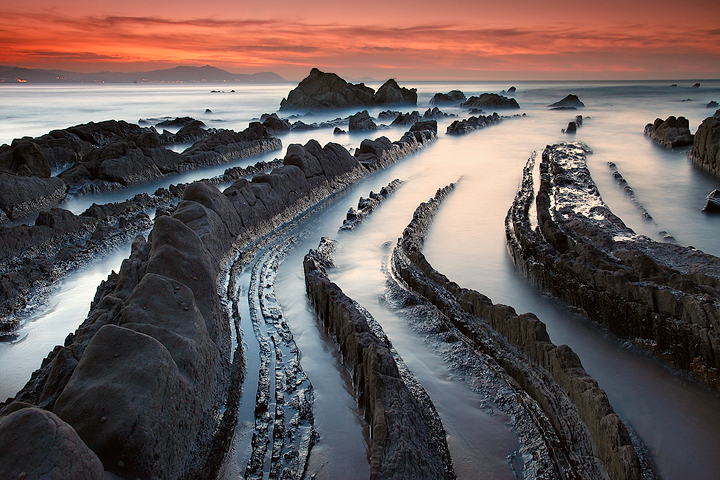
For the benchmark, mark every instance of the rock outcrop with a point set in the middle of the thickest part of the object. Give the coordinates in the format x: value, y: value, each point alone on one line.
x: 408, y: 441
x: 670, y: 133
x: 321, y: 90
x: 712, y: 202
x: 583, y: 428
x: 461, y: 127
x: 569, y: 102
x: 22, y: 196
x: 361, y: 122
x: 662, y: 296
x: 491, y: 101
x: 706, y: 146
x: 367, y: 205
x: 146, y: 379
x: 453, y: 97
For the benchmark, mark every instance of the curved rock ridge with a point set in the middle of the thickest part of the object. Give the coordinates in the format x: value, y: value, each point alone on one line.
x: 146, y: 379
x: 461, y: 127
x: 706, y: 146
x: 368, y: 205
x: 407, y: 437
x: 662, y: 296
x: 321, y: 90
x: 670, y: 133
x: 580, y: 434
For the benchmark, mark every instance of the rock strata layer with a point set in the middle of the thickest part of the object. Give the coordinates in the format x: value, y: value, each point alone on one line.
x: 146, y: 379
x: 367, y: 205
x: 706, y: 146
x: 582, y: 430
x: 670, y: 133
x: 662, y: 296
x: 408, y: 441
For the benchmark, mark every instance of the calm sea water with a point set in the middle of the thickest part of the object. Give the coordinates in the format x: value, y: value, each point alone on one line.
x: 678, y: 420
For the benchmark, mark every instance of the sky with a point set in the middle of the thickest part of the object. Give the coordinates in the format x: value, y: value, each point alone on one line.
x: 373, y: 39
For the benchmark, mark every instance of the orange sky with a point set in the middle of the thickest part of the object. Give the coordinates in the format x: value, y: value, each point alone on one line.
x: 408, y: 39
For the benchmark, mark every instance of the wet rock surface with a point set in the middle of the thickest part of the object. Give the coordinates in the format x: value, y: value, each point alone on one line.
x: 670, y: 133
x: 490, y: 101
x: 559, y: 411
x: 366, y: 206
x: 149, y: 380
x: 706, y: 146
x: 461, y: 127
x: 408, y: 440
x: 712, y: 202
x: 663, y: 297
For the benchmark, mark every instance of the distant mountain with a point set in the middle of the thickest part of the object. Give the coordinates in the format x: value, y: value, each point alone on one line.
x: 170, y: 75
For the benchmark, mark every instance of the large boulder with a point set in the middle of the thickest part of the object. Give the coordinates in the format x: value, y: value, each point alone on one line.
x: 706, y: 146
x: 670, y: 133
x: 24, y: 196
x: 390, y: 93
x: 24, y: 157
x: 327, y: 90
x: 36, y: 443
x: 490, y: 100
x: 361, y: 122
x: 570, y: 101
x: 453, y: 97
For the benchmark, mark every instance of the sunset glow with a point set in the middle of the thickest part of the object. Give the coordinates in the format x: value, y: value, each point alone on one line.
x: 407, y: 40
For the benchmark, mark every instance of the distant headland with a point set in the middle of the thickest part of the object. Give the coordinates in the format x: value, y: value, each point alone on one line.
x: 182, y: 74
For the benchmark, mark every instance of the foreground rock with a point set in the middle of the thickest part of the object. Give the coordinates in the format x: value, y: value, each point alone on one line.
x: 706, y: 146
x: 321, y: 90
x: 461, y: 127
x: 491, y: 101
x: 574, y: 430
x: 571, y: 102
x: 22, y: 196
x: 662, y: 296
x: 408, y: 441
x: 670, y: 133
x: 147, y: 380
x: 712, y: 202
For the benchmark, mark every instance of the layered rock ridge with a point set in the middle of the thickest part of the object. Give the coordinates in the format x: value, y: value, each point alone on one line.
x: 578, y: 435
x: 146, y: 379
x: 706, y: 146
x: 662, y: 296
x: 407, y: 437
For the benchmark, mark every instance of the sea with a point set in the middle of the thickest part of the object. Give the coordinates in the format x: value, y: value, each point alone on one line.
x: 676, y: 418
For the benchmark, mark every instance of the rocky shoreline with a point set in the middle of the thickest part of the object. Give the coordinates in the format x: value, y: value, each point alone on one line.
x: 582, y: 435
x: 144, y: 381
x: 662, y: 296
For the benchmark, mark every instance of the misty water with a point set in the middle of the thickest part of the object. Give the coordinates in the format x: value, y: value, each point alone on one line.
x: 677, y: 419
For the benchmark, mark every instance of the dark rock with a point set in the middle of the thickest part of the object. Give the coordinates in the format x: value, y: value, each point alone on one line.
x: 712, y: 204
x: 338, y: 131
x: 36, y: 443
x: 24, y: 196
x: 717, y: 113
x: 490, y: 100
x: 454, y: 97
x: 274, y: 123
x: 571, y: 128
x: 390, y: 93
x: 327, y: 90
x: 670, y: 133
x: 27, y: 159
x: 435, y: 113
x: 569, y: 101
x: 511, y: 90
x: 407, y: 119
x: 461, y: 127
x: 578, y: 120
x: 388, y: 115
x: 178, y: 122
x: 712, y: 104
x: 706, y: 146
x: 191, y: 132
x: 424, y: 125
x: 207, y: 110
x: 59, y: 219
x: 103, y: 133
x: 697, y: 85
x: 361, y: 121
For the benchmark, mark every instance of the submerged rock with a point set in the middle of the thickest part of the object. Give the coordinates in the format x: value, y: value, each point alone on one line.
x: 490, y: 100
x: 569, y: 101
x: 712, y: 203
x: 712, y: 104
x: 670, y: 133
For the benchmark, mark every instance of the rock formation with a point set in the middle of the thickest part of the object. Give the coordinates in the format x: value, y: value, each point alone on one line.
x: 712, y: 104
x: 706, y: 146
x: 491, y: 101
x: 361, y: 121
x: 712, y: 203
x: 367, y: 205
x: 670, y: 133
x: 408, y: 441
x: 461, y: 127
x: 453, y: 97
x: 321, y: 90
x: 662, y: 296
x: 146, y: 379
x: 569, y: 102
